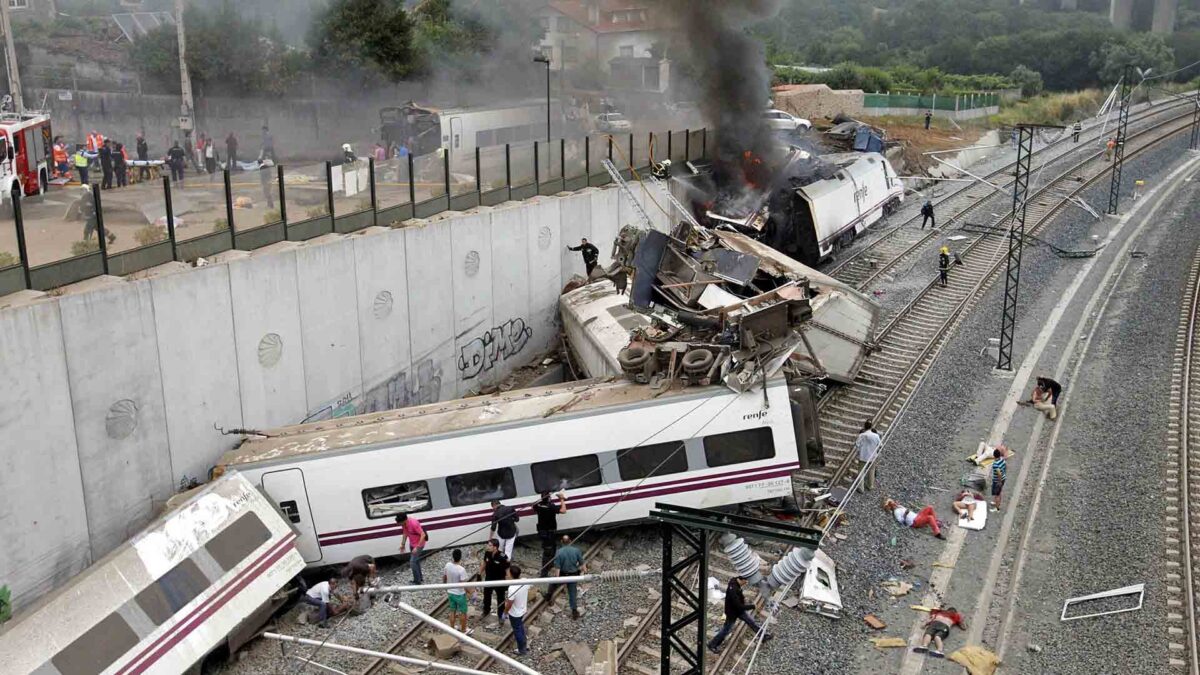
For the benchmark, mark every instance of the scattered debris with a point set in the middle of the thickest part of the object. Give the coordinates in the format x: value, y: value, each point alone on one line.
x: 896, y: 587
x: 874, y: 622
x: 443, y: 646
x: 906, y: 564
x: 1036, y: 649
x: 977, y: 660
x: 1138, y: 589
x: 921, y: 608
x: 579, y: 655
x: 888, y: 642
x: 942, y: 564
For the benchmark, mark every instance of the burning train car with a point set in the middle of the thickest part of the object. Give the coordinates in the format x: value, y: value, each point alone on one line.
x: 816, y: 205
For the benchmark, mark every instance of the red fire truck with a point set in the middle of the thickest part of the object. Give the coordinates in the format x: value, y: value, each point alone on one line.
x: 26, y: 143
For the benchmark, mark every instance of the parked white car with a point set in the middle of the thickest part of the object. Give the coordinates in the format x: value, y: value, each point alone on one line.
x: 613, y: 121
x: 778, y: 119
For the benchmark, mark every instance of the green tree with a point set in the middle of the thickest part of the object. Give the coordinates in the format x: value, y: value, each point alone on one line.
x: 366, y: 40
x: 1142, y: 50
x: 1030, y: 81
x: 226, y: 52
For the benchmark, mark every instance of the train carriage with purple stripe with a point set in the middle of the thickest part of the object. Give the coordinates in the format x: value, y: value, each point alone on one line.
x: 615, y: 447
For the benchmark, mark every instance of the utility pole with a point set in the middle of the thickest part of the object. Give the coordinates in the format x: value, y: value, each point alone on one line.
x: 1114, y: 190
x: 1016, y: 241
x: 10, y: 58
x: 187, y: 108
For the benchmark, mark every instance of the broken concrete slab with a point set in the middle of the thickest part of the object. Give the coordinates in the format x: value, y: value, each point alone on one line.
x: 579, y: 655
x: 443, y: 646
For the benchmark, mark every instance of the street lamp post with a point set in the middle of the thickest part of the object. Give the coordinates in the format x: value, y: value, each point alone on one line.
x: 542, y: 58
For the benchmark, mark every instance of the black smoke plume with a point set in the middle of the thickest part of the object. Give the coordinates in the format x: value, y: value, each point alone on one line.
x: 729, y: 71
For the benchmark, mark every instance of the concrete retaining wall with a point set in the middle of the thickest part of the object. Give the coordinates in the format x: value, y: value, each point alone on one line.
x: 112, y: 390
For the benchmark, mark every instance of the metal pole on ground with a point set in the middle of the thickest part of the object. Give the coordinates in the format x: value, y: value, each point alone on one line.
x: 1194, y: 144
x: 412, y: 183
x: 1114, y: 190
x: 499, y: 656
x: 22, y: 250
x: 100, y: 227
x: 325, y: 644
x: 170, y: 217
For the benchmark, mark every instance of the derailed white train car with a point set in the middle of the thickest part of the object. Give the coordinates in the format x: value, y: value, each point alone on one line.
x: 616, y: 447
x: 810, y: 222
x: 198, y: 582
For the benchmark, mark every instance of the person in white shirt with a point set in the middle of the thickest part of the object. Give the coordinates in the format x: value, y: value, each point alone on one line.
x: 515, y: 606
x: 866, y: 446
x: 964, y: 503
x: 455, y: 573
x: 319, y: 596
x: 914, y: 519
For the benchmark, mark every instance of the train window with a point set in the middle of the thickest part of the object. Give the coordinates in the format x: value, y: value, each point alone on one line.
x: 235, y: 543
x: 94, y: 651
x: 657, y: 459
x: 387, y: 501
x: 564, y: 474
x: 739, y: 446
x: 481, y: 487
x: 173, y: 591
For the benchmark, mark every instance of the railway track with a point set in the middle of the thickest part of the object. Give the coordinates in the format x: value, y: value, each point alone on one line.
x: 639, y: 652
x: 1183, y: 536
x: 907, y: 345
x: 412, y: 642
x: 868, y: 264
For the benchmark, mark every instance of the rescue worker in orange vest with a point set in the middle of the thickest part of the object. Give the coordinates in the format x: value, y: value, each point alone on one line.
x: 94, y: 141
x: 62, y: 164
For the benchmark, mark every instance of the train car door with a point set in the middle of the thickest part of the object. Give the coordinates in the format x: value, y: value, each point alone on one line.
x: 287, y: 489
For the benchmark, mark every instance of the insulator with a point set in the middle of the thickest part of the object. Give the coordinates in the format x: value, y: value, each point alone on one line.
x: 745, y: 560
x: 624, y: 575
x: 790, y: 567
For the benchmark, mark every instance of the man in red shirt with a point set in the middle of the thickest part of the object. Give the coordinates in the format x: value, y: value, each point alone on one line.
x: 412, y: 536
x: 937, y: 628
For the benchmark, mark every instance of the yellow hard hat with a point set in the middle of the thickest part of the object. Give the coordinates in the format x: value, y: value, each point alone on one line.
x: 945, y: 249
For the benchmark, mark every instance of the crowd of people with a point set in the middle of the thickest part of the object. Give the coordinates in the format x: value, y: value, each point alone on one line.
x: 965, y: 503
x: 344, y: 591
x: 110, y: 161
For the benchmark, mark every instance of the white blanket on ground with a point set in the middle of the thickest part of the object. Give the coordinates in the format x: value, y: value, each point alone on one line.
x: 978, y: 521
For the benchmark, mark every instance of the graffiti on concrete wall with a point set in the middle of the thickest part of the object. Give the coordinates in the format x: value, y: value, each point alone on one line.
x: 417, y: 386
x: 498, y: 344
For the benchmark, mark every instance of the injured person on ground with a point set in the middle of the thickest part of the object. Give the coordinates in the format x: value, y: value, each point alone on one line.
x: 937, y: 628
x: 914, y: 519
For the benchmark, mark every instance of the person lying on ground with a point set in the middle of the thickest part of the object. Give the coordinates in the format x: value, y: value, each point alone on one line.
x: 1044, y: 399
x: 965, y: 502
x: 937, y: 628
x: 914, y: 519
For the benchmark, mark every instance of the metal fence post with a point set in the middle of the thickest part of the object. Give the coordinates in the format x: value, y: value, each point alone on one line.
x: 229, y: 203
x: 170, y: 217
x: 587, y: 161
x: 669, y: 148
x: 412, y: 182
x: 100, y: 227
x: 508, y: 169
x: 282, y: 201
x: 610, y: 147
x: 687, y: 145
x: 478, y: 177
x: 22, y: 250
x: 537, y: 177
x: 329, y: 190
x: 562, y: 161
x: 446, y: 176
x: 704, y: 143
x: 371, y: 179
x: 632, y: 164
